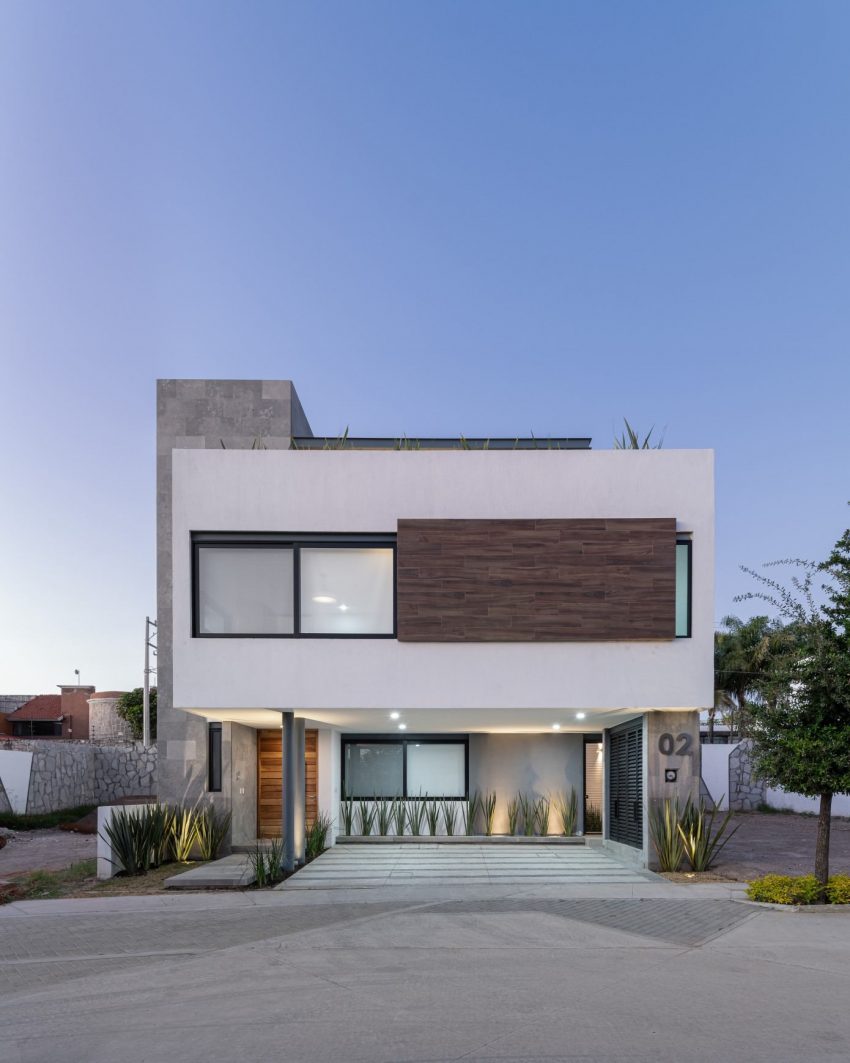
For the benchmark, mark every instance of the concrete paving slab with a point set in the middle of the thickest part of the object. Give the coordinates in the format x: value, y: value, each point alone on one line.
x: 231, y: 872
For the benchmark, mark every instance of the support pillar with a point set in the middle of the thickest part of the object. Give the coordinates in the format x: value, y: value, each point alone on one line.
x: 294, y: 792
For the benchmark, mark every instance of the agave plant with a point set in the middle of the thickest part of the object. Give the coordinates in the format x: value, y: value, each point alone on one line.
x: 488, y: 807
x: 630, y: 439
x: 664, y: 829
x: 399, y: 816
x: 470, y: 811
x: 542, y: 809
x: 131, y: 837
x: 346, y: 813
x: 450, y: 812
x: 212, y: 830
x: 367, y: 816
x: 162, y: 829
x: 701, y: 842
x: 383, y: 815
x: 513, y: 814
x: 416, y: 815
x: 566, y: 807
x: 526, y: 814
x: 432, y: 816
x: 317, y: 835
x: 185, y: 832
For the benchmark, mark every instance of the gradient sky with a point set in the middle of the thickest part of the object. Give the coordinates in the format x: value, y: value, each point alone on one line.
x: 436, y: 218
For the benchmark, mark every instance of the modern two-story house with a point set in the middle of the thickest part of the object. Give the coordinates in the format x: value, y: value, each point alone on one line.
x: 391, y: 618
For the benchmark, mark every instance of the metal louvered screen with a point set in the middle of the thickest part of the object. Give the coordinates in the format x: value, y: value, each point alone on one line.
x: 625, y: 784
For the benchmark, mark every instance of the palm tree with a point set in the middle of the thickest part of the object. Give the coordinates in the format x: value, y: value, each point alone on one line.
x: 746, y: 653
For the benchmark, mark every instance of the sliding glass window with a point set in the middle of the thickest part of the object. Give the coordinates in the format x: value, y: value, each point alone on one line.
x: 274, y: 586
x: 405, y: 767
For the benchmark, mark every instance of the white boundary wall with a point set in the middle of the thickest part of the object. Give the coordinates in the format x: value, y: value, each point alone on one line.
x: 107, y: 865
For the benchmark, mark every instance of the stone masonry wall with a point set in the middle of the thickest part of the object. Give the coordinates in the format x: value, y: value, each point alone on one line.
x: 746, y: 792
x: 66, y: 773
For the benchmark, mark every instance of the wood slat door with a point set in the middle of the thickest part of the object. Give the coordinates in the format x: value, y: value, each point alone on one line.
x: 270, y: 780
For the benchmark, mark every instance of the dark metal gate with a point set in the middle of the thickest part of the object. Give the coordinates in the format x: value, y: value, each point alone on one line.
x: 625, y: 783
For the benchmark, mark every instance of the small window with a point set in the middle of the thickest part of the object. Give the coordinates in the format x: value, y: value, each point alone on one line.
x: 214, y: 757
x: 683, y: 589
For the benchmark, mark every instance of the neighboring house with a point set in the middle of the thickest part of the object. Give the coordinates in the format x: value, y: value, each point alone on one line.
x: 8, y: 703
x: 62, y: 715
x: 384, y: 618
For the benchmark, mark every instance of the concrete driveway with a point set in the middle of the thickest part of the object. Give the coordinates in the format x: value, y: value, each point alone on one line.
x: 435, y: 864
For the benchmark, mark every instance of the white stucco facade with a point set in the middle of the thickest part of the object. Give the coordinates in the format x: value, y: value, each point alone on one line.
x: 442, y: 687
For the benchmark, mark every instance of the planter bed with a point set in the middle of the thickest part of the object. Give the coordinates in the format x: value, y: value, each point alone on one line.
x: 457, y: 839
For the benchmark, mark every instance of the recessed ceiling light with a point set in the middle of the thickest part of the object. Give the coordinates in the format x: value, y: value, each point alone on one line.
x: 323, y: 599
x: 556, y: 727
x: 394, y: 715
x: 344, y: 607
x: 580, y: 715
x: 402, y: 727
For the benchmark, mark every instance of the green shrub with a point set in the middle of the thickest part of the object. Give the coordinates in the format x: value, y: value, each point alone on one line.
x: 541, y: 811
x: 785, y: 889
x: 415, y: 815
x: 432, y: 816
x: 592, y: 820
x: 399, y: 816
x: 44, y: 820
x: 450, y: 817
x: 470, y: 811
x: 346, y: 812
x: 184, y: 832
x: 367, y: 816
x: 266, y: 861
x: 701, y: 841
x: 838, y: 889
x: 383, y: 815
x: 133, y: 837
x: 488, y: 807
x: 513, y: 815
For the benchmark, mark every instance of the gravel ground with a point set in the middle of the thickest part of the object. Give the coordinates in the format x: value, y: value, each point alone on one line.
x: 44, y: 850
x: 781, y: 843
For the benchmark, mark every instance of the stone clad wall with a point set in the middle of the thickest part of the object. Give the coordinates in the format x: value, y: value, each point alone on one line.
x: 105, y: 723
x: 66, y: 773
x: 746, y: 792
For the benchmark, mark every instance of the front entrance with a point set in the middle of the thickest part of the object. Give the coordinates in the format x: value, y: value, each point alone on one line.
x: 625, y: 784
x: 270, y: 780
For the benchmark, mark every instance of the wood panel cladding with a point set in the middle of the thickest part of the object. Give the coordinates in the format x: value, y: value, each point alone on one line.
x: 536, y: 580
x: 270, y: 780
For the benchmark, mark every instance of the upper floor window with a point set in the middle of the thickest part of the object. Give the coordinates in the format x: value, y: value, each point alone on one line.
x: 268, y: 586
x: 683, y: 588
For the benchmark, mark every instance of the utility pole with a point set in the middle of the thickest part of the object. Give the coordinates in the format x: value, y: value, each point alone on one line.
x: 146, y: 699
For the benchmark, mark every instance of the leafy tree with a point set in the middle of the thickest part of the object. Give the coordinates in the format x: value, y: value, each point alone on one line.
x: 129, y: 708
x: 801, y: 729
x: 746, y: 653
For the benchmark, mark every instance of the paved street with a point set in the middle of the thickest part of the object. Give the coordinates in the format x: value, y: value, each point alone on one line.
x: 650, y: 972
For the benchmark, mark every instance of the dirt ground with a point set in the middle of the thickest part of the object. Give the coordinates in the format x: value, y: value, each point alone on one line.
x: 781, y: 843
x: 44, y: 850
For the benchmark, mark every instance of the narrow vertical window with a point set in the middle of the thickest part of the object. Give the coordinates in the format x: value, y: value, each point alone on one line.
x: 214, y: 757
x: 683, y: 589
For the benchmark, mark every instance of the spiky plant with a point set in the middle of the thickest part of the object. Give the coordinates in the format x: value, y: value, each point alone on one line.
x: 383, y: 815
x: 346, y: 813
x: 317, y: 835
x: 266, y: 862
x: 566, y: 808
x: 526, y: 814
x: 592, y: 819
x: 470, y: 811
x: 185, y: 832
x: 399, y: 816
x: 488, y: 807
x: 664, y: 824
x: 450, y: 811
x: 629, y: 439
x: 432, y: 816
x: 513, y: 814
x: 367, y: 817
x: 416, y: 815
x: 212, y: 831
x: 542, y: 810
x: 701, y: 842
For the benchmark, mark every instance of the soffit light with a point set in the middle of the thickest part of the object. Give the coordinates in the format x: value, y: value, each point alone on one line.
x: 344, y: 608
x: 394, y: 715
x: 402, y: 727
x: 556, y: 727
x: 323, y: 599
x: 580, y: 715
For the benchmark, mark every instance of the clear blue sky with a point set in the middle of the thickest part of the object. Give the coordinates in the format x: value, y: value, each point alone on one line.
x: 487, y: 218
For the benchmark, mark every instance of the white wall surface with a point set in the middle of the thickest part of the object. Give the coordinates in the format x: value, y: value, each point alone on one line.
x: 779, y: 798
x: 15, y: 770
x: 360, y: 491
x: 715, y: 772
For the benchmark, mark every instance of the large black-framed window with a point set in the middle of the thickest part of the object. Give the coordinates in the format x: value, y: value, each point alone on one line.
x: 264, y: 585
x: 684, y: 586
x: 214, y: 757
x: 409, y: 767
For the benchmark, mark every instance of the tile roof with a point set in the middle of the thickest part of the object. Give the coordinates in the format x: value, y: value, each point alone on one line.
x: 41, y: 707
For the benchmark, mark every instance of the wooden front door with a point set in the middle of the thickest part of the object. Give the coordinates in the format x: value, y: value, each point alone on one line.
x: 270, y: 780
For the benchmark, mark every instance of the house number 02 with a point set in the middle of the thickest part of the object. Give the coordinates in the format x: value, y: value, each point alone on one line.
x: 680, y: 746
